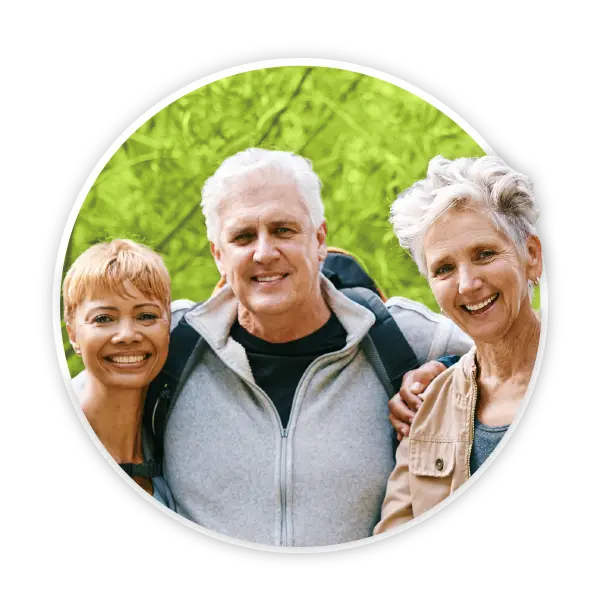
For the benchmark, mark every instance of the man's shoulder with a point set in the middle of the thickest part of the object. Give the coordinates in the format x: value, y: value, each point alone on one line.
x: 397, y: 305
x: 430, y: 335
x: 178, y: 309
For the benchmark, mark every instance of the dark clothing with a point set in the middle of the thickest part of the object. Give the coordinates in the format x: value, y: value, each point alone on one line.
x: 278, y: 368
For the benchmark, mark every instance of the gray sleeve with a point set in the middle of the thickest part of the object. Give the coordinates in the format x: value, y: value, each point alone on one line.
x: 178, y: 309
x: 430, y: 335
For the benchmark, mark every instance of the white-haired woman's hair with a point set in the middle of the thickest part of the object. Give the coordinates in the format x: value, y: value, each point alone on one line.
x: 487, y: 183
x: 275, y: 167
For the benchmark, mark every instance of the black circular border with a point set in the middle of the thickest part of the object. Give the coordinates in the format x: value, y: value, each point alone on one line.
x: 391, y: 61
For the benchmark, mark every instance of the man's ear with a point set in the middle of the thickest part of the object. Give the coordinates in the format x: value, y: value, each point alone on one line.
x: 216, y: 252
x: 322, y: 241
x: 73, y: 338
x: 534, y: 257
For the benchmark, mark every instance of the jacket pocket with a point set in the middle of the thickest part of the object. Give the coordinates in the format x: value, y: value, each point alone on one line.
x: 431, y: 459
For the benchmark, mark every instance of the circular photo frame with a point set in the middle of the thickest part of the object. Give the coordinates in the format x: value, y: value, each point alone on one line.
x: 349, y: 111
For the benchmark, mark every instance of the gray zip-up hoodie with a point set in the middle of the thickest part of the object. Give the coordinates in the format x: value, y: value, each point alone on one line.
x: 233, y: 468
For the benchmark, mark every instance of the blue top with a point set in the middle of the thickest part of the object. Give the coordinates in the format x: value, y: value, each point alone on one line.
x: 162, y: 493
x: 484, y: 442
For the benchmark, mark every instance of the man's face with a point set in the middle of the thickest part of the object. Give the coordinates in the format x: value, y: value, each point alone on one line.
x: 269, y: 250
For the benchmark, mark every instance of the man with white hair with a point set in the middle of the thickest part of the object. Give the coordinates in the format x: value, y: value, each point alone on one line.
x: 279, y: 433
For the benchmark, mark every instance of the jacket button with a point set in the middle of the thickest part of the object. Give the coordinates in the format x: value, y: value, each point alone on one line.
x: 439, y: 464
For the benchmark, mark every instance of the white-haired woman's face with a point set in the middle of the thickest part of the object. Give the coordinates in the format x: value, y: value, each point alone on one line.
x: 477, y: 275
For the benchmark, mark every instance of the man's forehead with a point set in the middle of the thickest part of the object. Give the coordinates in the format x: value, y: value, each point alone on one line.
x: 266, y: 217
x: 263, y: 205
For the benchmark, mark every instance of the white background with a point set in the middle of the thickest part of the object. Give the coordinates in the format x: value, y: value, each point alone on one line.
x: 583, y: 288
x: 63, y: 66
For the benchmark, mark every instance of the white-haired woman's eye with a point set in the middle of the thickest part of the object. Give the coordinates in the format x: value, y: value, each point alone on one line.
x: 485, y: 254
x: 443, y: 270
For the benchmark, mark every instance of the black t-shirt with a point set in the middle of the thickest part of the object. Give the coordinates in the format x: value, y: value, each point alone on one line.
x: 278, y: 368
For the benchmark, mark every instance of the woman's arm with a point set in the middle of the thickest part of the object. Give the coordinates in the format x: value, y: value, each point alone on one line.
x: 397, y: 505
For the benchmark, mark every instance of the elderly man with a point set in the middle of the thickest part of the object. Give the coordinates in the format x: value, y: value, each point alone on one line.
x: 279, y: 433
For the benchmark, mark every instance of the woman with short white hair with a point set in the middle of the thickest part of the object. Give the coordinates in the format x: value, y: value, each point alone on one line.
x: 470, y: 227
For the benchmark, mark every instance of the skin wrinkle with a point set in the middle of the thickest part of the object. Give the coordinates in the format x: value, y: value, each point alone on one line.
x: 460, y: 272
x: 266, y: 230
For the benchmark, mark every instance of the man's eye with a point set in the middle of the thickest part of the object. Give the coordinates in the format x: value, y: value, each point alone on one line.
x: 243, y: 237
x: 442, y: 270
x: 101, y: 319
x: 283, y: 230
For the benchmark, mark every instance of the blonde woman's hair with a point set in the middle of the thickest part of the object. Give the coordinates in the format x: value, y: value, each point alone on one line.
x: 105, y: 267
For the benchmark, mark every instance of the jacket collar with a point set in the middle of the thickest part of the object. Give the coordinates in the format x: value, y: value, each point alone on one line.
x: 213, y: 319
x: 464, y: 369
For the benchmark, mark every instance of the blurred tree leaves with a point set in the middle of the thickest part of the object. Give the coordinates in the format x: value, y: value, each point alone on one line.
x: 368, y: 140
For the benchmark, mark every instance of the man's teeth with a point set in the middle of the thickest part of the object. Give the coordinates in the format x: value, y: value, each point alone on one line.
x: 128, y: 359
x: 481, y: 304
x: 272, y: 278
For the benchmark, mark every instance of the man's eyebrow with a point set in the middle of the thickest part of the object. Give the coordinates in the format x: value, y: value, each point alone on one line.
x: 237, y: 229
x: 289, y: 221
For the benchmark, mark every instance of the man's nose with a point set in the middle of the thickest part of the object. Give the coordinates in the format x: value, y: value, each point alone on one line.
x: 266, y: 249
x: 468, y: 279
x: 127, y: 332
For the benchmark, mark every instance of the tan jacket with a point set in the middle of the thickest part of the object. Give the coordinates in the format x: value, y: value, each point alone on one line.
x: 434, y: 461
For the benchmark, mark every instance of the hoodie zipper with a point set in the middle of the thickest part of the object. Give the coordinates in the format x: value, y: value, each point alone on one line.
x: 284, y: 432
x: 283, y: 486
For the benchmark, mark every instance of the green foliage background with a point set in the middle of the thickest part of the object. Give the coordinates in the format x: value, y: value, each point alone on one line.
x: 367, y: 139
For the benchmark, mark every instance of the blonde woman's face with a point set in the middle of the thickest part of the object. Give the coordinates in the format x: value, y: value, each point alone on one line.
x: 123, y: 340
x: 477, y: 275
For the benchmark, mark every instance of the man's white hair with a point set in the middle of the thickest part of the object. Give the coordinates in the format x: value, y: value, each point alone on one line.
x: 263, y: 166
x: 486, y: 183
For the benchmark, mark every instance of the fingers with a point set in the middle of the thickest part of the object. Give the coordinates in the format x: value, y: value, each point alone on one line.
x: 409, y: 398
x: 402, y: 429
x: 430, y: 371
x: 404, y: 405
x: 400, y: 411
x: 416, y: 382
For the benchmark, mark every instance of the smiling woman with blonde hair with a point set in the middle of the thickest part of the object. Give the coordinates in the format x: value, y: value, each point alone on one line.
x: 117, y: 312
x: 470, y: 227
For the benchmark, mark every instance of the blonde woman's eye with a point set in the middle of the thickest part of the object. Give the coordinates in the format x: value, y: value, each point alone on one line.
x: 148, y: 317
x: 101, y: 319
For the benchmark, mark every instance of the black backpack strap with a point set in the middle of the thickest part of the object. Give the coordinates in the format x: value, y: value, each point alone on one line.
x: 344, y: 271
x: 161, y: 391
x: 148, y: 469
x: 393, y: 351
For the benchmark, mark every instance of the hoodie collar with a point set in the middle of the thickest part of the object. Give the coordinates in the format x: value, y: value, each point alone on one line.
x: 213, y: 319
